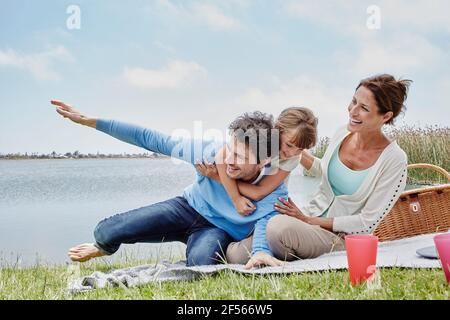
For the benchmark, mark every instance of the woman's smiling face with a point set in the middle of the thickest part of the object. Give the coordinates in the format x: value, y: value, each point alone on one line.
x: 364, y: 113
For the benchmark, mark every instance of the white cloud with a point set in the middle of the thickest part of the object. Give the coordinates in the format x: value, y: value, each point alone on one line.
x: 176, y: 74
x: 205, y: 13
x: 170, y: 7
x: 403, y: 45
x: 398, y: 54
x: 40, y: 65
x: 418, y: 15
x: 440, y: 101
x: 329, y: 103
x: 350, y: 15
x: 338, y: 14
x: 214, y: 17
x: 164, y: 47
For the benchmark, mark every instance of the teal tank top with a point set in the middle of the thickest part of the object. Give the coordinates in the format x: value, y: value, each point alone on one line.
x: 343, y: 180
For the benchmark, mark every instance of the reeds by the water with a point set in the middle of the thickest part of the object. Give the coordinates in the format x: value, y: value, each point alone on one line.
x: 430, y: 144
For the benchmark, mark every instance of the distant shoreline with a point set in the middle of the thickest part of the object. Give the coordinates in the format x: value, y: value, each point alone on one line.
x: 87, y: 158
x: 160, y: 158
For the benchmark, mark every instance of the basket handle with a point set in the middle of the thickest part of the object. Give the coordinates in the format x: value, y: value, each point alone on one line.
x: 430, y: 166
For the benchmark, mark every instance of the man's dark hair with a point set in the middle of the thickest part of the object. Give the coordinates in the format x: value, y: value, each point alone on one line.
x: 255, y: 129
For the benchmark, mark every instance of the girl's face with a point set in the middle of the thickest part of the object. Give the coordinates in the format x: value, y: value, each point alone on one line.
x: 287, y: 148
x: 363, y: 112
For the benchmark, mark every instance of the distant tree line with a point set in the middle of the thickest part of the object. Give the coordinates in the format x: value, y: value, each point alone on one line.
x: 78, y: 155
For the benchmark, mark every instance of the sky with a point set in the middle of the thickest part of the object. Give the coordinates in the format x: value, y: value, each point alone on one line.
x: 177, y: 65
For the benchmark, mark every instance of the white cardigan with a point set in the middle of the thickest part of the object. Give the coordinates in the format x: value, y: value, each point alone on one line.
x: 361, y: 212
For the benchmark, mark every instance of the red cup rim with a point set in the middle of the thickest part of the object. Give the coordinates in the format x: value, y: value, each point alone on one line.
x: 361, y: 237
x: 443, y: 236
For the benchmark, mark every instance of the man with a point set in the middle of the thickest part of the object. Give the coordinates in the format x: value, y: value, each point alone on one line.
x: 204, y: 218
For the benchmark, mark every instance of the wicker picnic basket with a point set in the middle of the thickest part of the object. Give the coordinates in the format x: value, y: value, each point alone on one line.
x: 419, y: 211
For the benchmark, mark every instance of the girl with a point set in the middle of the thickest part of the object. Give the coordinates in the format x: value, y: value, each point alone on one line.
x: 297, y: 130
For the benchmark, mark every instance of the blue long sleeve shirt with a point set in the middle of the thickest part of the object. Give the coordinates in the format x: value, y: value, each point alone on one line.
x: 206, y: 196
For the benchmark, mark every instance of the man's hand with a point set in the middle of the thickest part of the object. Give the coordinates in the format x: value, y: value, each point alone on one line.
x: 69, y: 112
x: 244, y: 206
x: 260, y: 259
x: 289, y: 208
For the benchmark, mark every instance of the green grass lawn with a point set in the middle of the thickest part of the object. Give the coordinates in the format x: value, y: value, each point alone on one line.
x: 43, y: 282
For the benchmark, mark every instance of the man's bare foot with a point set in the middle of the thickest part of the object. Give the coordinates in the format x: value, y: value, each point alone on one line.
x: 84, y: 252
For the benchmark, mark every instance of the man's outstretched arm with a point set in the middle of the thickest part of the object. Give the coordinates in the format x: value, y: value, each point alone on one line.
x: 184, y: 149
x: 142, y: 137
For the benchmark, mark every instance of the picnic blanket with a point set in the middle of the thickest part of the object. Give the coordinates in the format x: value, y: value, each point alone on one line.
x: 398, y: 253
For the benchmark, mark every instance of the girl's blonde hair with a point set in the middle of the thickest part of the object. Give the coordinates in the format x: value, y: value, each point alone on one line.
x: 301, y: 123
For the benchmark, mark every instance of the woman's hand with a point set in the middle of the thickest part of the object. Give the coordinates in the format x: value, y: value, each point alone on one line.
x: 207, y: 169
x: 289, y: 208
x: 69, y: 112
x: 260, y: 259
x: 244, y: 206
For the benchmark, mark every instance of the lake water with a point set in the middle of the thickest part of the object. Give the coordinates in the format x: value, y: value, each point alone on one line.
x: 48, y: 206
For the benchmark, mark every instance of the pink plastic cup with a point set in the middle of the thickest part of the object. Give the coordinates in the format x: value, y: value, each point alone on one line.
x: 361, y: 257
x: 442, y: 242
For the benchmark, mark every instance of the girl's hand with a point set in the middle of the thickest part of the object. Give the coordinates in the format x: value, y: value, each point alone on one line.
x: 260, y: 259
x: 208, y: 170
x: 244, y: 206
x: 69, y: 112
x: 289, y: 208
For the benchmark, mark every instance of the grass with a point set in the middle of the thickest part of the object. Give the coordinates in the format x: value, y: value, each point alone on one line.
x: 45, y: 282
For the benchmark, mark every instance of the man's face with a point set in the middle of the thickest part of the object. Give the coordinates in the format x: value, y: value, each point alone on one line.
x: 240, y: 161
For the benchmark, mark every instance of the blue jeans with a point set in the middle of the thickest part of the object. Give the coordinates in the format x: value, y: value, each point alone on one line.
x: 170, y: 220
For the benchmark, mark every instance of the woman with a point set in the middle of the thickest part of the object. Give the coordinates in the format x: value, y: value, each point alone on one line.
x: 362, y: 175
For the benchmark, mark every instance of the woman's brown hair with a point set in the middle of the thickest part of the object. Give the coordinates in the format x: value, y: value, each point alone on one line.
x: 389, y: 93
x: 300, y: 122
